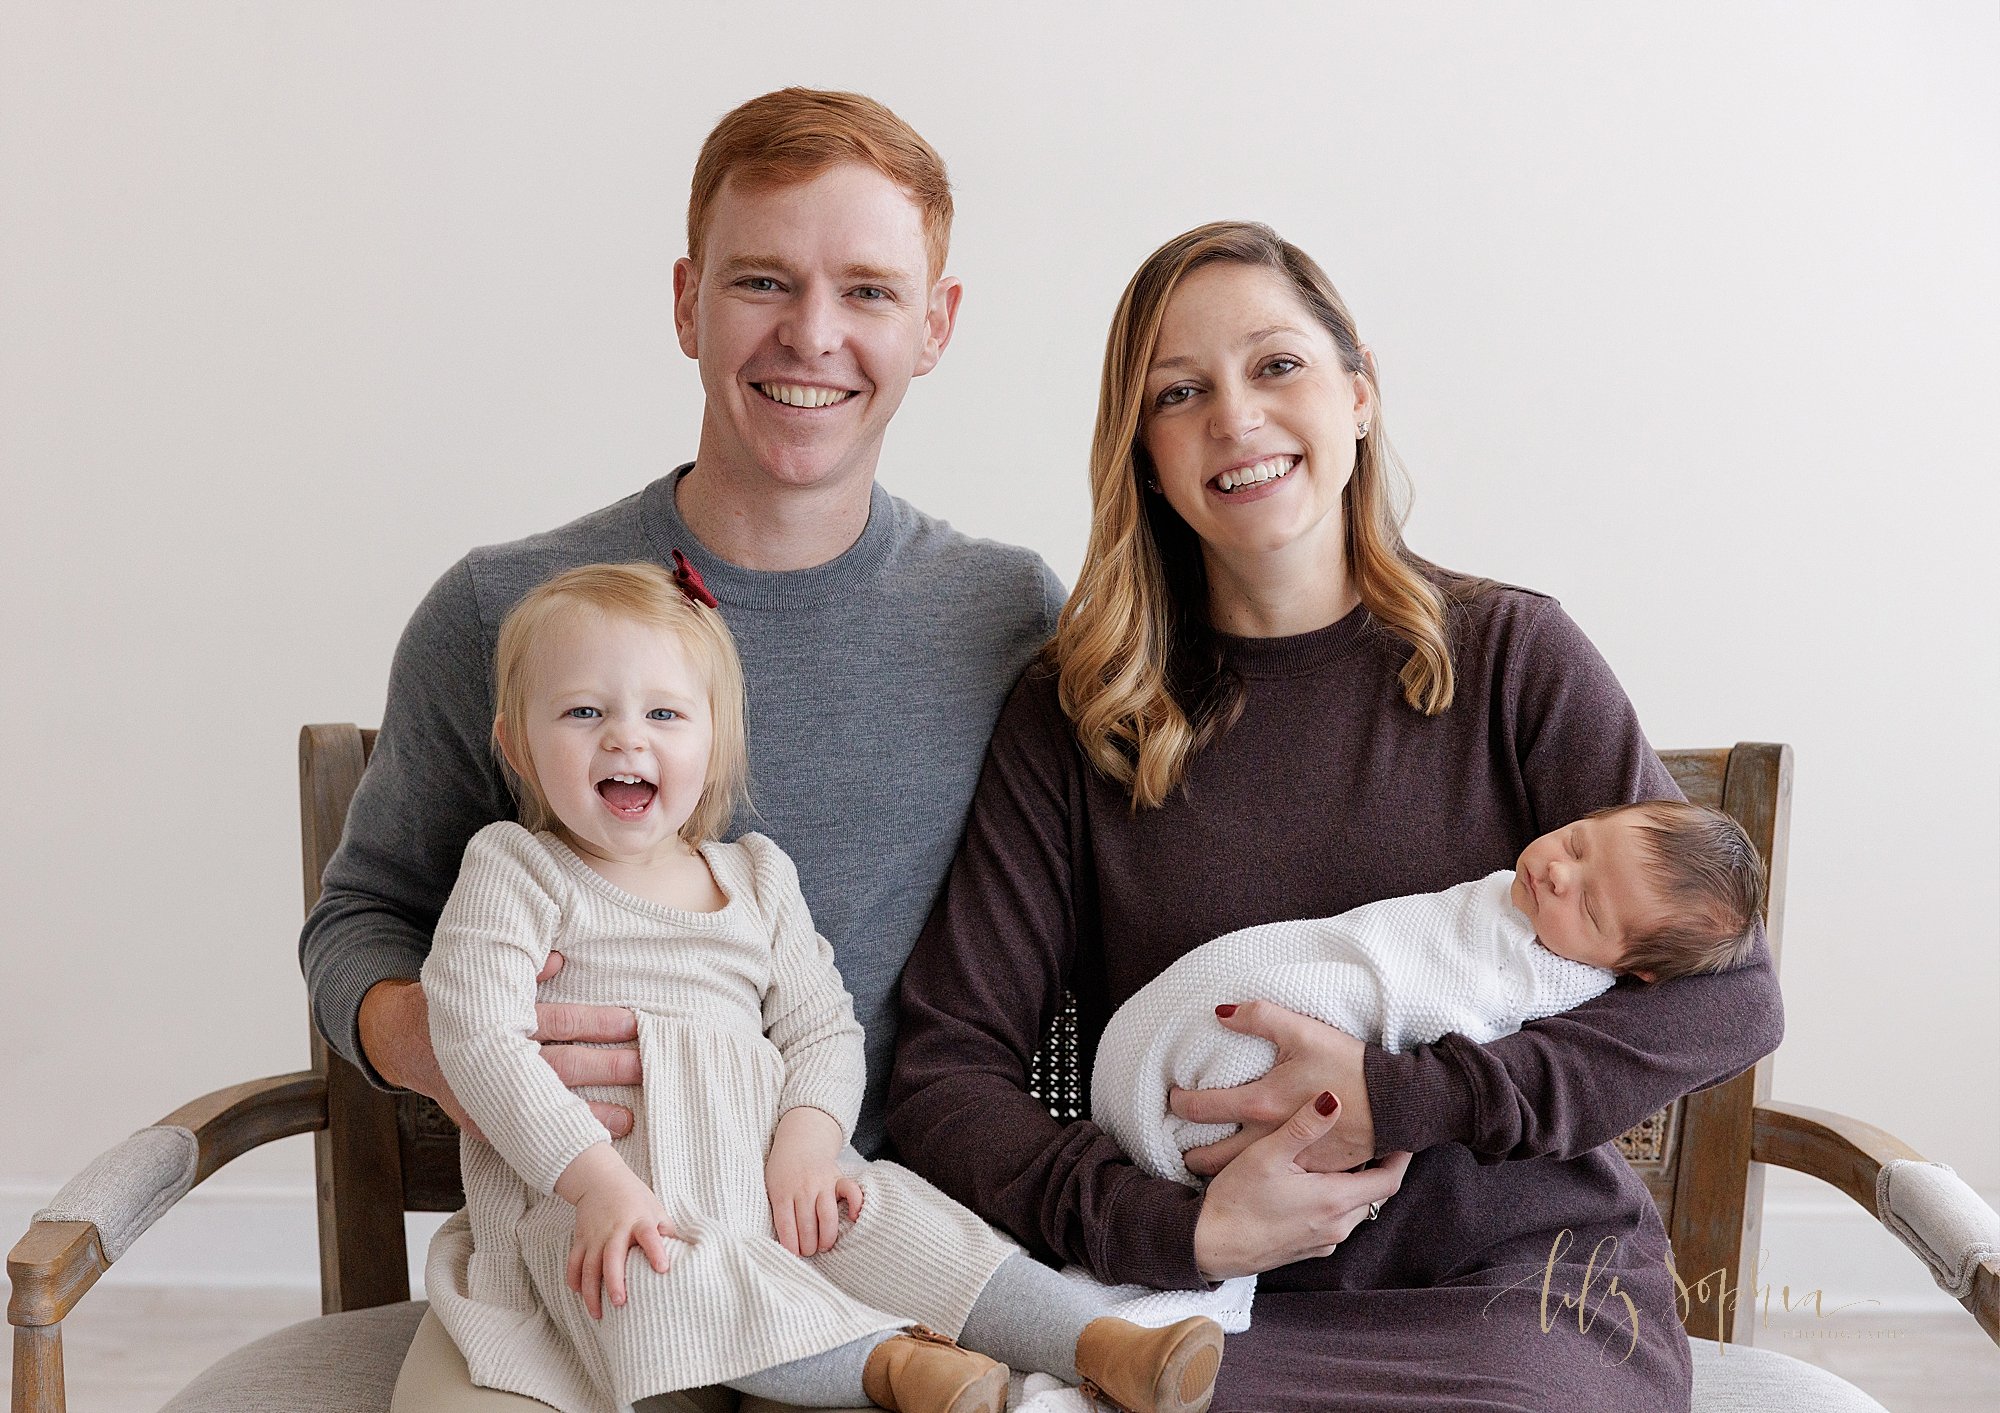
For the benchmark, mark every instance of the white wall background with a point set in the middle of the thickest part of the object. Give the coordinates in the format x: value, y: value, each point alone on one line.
x: 1685, y: 315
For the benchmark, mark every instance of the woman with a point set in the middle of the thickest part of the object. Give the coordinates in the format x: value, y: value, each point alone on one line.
x: 1260, y: 705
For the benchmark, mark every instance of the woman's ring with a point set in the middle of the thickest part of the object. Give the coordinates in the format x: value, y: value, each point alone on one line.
x: 1374, y: 1210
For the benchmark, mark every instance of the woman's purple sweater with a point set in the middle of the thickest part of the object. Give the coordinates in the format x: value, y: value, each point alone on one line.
x: 1327, y: 793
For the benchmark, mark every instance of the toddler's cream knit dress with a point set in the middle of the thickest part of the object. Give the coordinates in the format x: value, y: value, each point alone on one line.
x: 742, y: 1016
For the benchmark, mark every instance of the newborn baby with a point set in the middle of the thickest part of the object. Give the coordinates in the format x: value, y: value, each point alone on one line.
x: 1653, y: 891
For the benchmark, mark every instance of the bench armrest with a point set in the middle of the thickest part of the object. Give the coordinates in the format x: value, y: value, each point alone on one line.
x: 1925, y: 1205
x: 105, y: 1208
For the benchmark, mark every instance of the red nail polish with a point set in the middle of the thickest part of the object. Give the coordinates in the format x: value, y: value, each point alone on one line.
x: 1326, y: 1103
x: 1225, y: 1010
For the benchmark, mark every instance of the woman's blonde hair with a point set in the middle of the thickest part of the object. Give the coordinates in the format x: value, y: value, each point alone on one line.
x: 1140, y: 672
x: 644, y: 594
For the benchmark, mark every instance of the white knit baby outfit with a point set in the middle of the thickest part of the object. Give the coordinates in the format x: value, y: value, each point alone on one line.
x: 742, y: 1016
x: 1400, y: 972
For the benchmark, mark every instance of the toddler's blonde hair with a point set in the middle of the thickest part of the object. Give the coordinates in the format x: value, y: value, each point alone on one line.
x: 645, y: 594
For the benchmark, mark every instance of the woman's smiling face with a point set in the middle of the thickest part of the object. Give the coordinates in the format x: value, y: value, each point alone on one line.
x: 1250, y: 418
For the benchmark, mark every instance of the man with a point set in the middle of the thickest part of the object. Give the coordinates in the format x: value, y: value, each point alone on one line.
x: 877, y: 644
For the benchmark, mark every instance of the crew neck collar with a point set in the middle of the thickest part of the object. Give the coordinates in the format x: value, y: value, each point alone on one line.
x: 768, y: 588
x: 1296, y: 653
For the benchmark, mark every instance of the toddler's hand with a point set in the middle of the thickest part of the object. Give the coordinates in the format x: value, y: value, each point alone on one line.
x: 805, y: 1183
x: 614, y: 1212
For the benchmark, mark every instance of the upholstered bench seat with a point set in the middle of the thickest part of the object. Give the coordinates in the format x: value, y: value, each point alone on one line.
x: 347, y: 1364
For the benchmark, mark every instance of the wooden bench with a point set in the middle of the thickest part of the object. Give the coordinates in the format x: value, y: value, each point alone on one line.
x: 379, y: 1155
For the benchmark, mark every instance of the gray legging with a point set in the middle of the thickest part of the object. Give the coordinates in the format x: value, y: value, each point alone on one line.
x: 1027, y: 1317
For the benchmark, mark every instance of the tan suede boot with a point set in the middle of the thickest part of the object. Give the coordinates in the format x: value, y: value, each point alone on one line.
x: 1169, y: 1370
x: 922, y: 1372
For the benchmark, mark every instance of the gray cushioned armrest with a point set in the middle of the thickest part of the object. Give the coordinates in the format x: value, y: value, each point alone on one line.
x: 1934, y: 1213
x: 126, y: 1188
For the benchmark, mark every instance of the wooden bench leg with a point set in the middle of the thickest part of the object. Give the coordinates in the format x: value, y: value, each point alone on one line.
x: 38, y: 1369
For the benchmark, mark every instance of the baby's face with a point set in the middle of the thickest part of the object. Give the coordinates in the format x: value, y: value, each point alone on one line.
x: 1585, y: 890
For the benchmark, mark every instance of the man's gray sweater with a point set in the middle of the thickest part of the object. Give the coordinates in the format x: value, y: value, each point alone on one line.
x: 873, y: 680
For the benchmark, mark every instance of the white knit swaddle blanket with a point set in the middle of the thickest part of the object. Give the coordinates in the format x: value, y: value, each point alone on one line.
x: 1400, y: 972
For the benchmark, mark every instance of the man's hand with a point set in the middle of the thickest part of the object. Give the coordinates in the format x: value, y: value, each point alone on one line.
x: 614, y: 1213
x: 1313, y: 1058
x: 563, y: 1027
x: 1266, y: 1210
x: 396, y: 1036
x: 805, y: 1184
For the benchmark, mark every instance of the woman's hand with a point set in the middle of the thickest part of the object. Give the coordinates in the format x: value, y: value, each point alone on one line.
x: 805, y: 1184
x: 614, y: 1212
x: 1264, y: 1210
x: 1313, y: 1058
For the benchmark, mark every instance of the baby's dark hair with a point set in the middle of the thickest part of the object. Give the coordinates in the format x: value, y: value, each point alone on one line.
x: 1712, y: 880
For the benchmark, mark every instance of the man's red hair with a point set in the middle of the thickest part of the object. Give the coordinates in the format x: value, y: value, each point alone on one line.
x: 795, y: 134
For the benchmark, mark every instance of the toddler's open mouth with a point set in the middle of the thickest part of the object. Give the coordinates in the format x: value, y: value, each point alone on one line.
x: 628, y: 795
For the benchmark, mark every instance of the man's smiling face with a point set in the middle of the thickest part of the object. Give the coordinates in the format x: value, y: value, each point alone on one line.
x: 811, y: 310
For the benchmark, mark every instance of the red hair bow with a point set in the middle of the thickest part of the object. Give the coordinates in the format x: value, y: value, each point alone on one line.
x: 689, y: 579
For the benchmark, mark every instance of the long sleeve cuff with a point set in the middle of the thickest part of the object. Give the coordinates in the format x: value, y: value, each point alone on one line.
x: 1149, y: 1239
x: 1419, y: 1098
x: 828, y: 1083
x: 539, y: 1144
x: 338, y: 986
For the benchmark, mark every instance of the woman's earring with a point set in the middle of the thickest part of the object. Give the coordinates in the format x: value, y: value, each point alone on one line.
x: 1361, y: 432
x: 1153, y: 484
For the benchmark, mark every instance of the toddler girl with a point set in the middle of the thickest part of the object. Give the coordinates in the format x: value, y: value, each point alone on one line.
x: 774, y: 1259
